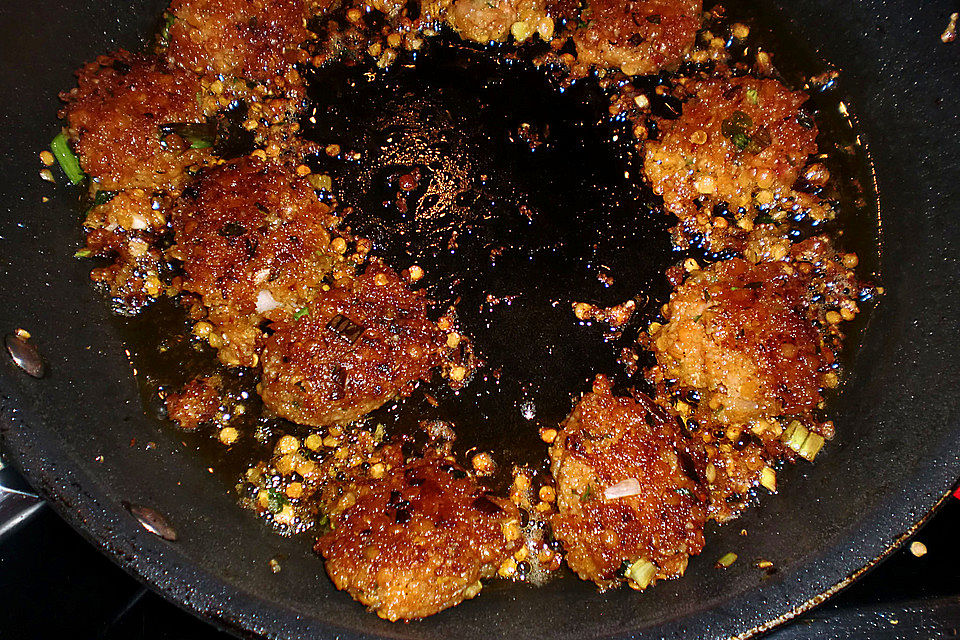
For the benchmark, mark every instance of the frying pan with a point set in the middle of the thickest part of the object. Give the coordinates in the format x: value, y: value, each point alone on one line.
x: 79, y: 433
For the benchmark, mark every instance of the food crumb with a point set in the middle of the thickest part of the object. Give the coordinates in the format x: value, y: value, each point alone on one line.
x: 950, y: 33
x: 274, y: 565
x: 918, y: 549
x: 46, y: 158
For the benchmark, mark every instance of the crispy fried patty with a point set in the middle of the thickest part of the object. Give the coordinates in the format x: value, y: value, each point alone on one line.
x: 610, y: 441
x: 740, y: 143
x: 357, y: 346
x: 740, y: 334
x: 251, y: 39
x: 636, y: 36
x: 114, y: 117
x: 254, y: 244
x: 419, y: 540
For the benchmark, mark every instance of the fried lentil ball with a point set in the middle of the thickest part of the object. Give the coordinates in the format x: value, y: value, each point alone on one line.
x: 740, y: 143
x: 252, y: 39
x: 359, y: 345
x: 114, y: 117
x: 606, y: 442
x: 485, y: 21
x: 636, y: 36
x: 740, y: 334
x: 419, y: 540
x: 254, y: 242
x: 196, y: 403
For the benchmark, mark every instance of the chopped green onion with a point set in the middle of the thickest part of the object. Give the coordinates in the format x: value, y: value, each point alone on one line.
x: 199, y: 135
x: 811, y: 446
x: 806, y: 443
x: 83, y: 253
x: 726, y: 560
x: 67, y: 159
x: 753, y: 96
x: 301, y: 312
x: 768, y: 479
x: 102, y: 197
x: 165, y: 30
x: 641, y: 573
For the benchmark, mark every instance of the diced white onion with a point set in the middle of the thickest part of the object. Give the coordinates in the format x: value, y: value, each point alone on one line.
x: 139, y: 222
x: 623, y: 489
x: 266, y: 302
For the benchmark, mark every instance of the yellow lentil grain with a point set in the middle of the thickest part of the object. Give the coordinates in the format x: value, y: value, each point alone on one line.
x: 705, y: 184
x: 229, y: 435
x: 287, y: 444
x: 313, y: 442
x: 294, y: 490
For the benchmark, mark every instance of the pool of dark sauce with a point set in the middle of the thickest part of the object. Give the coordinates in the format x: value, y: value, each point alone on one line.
x: 527, y: 201
x: 518, y: 198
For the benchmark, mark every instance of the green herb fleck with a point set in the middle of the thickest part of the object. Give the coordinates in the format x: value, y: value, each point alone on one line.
x: 587, y: 493
x: 165, y: 29
x: 102, y: 197
x: 379, y: 433
x: 764, y: 219
x: 83, y: 253
x: 67, y: 159
x: 301, y: 312
x: 275, y: 501
x: 697, y: 318
x: 706, y: 295
x: 753, y: 96
x: 200, y: 135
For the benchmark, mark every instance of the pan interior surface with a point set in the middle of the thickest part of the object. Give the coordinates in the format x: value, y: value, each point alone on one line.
x: 82, y: 436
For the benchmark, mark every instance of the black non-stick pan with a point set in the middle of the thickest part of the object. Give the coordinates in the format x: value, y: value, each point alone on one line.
x: 89, y: 440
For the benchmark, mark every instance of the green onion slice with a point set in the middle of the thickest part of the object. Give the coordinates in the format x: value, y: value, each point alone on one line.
x: 67, y: 159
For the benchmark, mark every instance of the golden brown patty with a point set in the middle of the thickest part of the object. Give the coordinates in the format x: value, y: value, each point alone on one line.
x: 114, y: 116
x: 251, y: 39
x: 609, y: 443
x: 419, y: 540
x: 360, y: 344
x: 740, y: 142
x: 254, y: 244
x: 740, y: 334
x: 486, y: 21
x: 636, y: 36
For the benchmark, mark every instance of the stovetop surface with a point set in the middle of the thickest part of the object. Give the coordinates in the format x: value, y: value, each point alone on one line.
x: 53, y: 583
